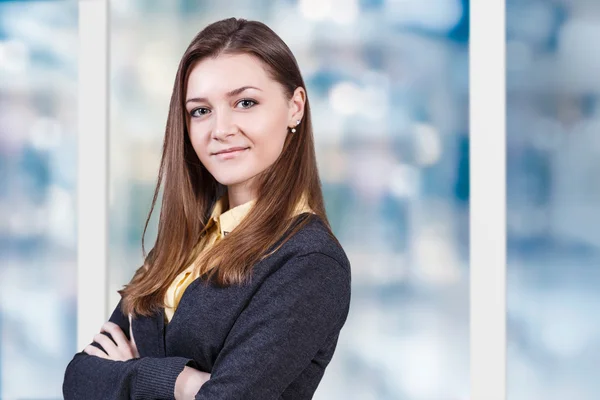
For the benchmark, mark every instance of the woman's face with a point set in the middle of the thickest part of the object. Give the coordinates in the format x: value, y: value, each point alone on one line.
x: 232, y: 103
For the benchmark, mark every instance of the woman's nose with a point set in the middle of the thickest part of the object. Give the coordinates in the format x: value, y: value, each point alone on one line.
x: 223, y: 126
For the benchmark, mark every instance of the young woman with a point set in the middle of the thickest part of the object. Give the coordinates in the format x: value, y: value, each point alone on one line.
x: 246, y: 289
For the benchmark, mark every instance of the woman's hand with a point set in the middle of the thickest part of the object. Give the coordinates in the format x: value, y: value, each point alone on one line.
x: 189, y: 382
x: 123, y: 350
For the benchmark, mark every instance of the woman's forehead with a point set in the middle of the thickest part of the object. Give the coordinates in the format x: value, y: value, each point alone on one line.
x: 225, y: 73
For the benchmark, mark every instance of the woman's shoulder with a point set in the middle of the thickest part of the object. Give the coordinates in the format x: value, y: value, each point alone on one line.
x: 315, y: 238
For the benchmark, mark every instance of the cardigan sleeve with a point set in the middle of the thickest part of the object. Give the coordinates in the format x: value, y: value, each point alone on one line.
x: 285, y: 324
x: 93, y: 378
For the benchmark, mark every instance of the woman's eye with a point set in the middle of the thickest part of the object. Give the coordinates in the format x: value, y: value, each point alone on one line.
x: 200, y: 111
x: 247, y: 103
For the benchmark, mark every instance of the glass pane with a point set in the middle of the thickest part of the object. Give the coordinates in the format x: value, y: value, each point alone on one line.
x: 388, y: 84
x: 38, y: 176
x: 553, y: 199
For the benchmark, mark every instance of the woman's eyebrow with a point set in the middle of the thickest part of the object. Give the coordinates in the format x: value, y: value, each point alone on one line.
x: 231, y: 93
x: 237, y: 91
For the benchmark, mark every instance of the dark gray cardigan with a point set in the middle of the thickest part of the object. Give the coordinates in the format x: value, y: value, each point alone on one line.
x: 269, y: 339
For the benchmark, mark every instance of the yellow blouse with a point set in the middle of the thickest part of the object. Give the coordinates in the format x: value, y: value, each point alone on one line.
x: 219, y: 225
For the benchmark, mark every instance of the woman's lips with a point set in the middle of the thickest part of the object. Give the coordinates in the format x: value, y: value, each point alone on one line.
x: 231, y: 153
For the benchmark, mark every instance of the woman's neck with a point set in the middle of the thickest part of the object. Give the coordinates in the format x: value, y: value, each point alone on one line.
x: 237, y: 197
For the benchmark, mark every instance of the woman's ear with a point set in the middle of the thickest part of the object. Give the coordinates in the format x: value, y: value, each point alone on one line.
x: 297, y: 103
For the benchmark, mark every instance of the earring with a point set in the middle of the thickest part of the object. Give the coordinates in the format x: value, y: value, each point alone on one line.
x: 294, y: 129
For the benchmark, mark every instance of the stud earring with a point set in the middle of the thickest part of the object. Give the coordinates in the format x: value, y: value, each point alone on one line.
x: 294, y: 129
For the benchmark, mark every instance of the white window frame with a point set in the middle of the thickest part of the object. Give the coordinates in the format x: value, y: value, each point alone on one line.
x: 92, y: 180
x: 487, y: 91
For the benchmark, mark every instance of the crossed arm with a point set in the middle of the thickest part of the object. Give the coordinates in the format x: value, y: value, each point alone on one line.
x: 188, y: 382
x: 274, y: 339
x: 113, y: 369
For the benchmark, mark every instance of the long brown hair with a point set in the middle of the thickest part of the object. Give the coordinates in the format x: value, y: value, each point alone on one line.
x: 190, y: 191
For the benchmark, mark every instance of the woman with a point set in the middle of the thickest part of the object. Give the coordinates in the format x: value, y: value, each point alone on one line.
x: 246, y: 290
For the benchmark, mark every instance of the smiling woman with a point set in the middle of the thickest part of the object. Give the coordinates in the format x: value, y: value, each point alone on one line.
x: 247, y: 125
x: 246, y: 290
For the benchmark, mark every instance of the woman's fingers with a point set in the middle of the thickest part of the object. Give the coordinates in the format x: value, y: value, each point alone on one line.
x: 116, y: 333
x: 107, y: 344
x: 117, y: 349
x: 94, y: 351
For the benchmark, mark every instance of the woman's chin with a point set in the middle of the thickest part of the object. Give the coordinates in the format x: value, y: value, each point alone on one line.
x: 232, y: 180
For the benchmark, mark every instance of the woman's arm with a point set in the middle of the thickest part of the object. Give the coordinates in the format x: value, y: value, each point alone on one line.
x: 90, y: 377
x: 281, y: 330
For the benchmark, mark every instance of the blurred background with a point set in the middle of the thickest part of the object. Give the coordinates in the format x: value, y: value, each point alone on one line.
x: 388, y: 83
x: 553, y: 198
x: 38, y: 176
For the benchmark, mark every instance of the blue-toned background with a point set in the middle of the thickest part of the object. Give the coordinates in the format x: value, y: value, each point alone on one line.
x: 388, y: 83
x: 553, y: 185
x: 38, y: 176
